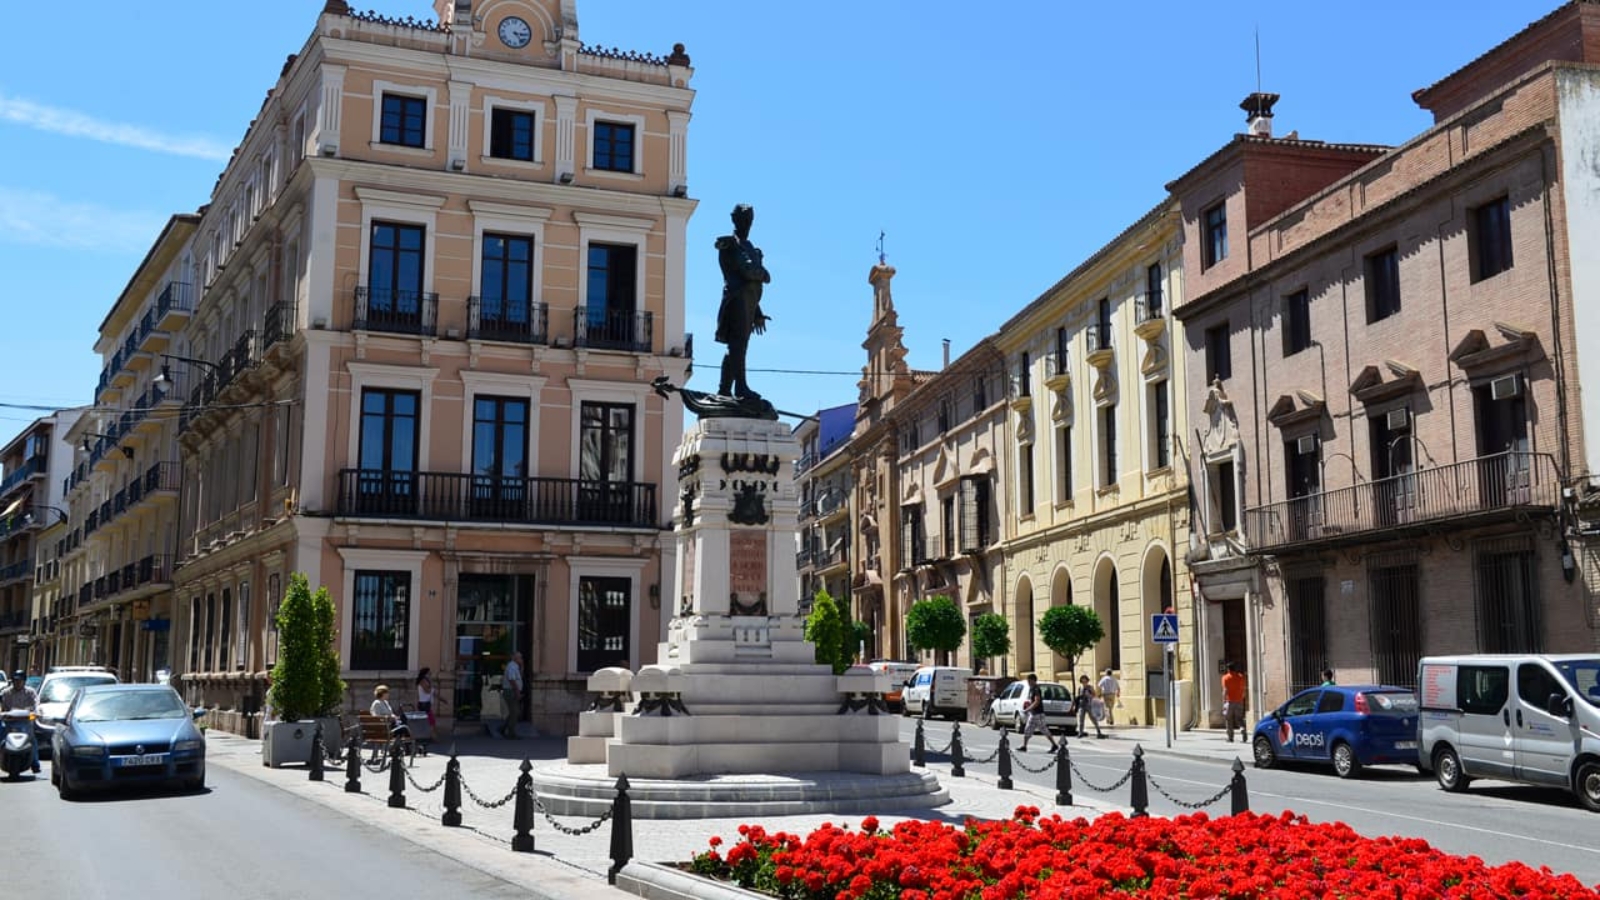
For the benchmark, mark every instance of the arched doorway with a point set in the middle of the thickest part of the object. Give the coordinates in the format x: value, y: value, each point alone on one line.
x: 1108, y: 606
x: 1022, y: 627
x: 1060, y: 595
x: 1155, y: 592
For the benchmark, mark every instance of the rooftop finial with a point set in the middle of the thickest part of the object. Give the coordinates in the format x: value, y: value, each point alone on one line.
x: 882, y: 257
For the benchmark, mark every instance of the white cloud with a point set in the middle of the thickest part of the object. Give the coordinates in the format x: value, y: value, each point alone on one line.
x: 43, y: 220
x: 75, y: 124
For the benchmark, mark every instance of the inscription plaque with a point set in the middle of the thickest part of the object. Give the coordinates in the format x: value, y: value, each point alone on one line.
x: 747, y: 573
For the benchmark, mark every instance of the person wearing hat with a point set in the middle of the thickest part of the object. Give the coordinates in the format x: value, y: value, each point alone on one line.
x: 20, y: 696
x: 1110, y: 689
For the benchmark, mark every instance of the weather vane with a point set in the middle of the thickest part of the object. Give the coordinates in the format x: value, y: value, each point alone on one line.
x: 880, y: 247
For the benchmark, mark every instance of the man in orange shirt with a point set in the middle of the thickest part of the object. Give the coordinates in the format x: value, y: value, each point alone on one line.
x: 1233, y: 685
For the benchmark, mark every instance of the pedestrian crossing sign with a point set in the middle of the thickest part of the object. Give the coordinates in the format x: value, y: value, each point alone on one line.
x: 1164, y: 628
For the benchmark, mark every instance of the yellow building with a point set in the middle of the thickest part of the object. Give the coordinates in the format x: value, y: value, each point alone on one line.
x: 1098, y: 513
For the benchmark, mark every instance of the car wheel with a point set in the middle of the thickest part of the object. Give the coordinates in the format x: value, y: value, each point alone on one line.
x: 198, y: 784
x: 64, y: 789
x: 1345, y: 763
x: 1017, y: 723
x: 1266, y: 757
x: 987, y: 721
x: 1588, y: 785
x: 1447, y: 768
x: 55, y: 774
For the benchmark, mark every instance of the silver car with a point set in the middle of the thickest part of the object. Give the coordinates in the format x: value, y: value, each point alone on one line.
x: 56, y: 691
x: 1006, y: 709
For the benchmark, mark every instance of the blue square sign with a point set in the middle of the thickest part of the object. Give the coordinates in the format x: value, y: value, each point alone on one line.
x: 1164, y: 628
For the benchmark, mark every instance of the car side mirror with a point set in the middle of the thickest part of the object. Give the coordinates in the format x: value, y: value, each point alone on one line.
x: 1559, y: 705
x: 1277, y: 714
x: 199, y: 711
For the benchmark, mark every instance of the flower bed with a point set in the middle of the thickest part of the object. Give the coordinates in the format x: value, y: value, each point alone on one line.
x: 1035, y: 857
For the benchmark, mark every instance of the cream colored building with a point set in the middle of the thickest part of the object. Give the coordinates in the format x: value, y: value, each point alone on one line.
x: 1098, y: 509
x: 431, y: 289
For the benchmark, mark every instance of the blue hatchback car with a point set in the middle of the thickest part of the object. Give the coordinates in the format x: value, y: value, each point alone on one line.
x: 1349, y: 726
x: 123, y: 734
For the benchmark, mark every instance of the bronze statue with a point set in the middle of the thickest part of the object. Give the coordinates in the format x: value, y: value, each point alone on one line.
x: 740, y: 315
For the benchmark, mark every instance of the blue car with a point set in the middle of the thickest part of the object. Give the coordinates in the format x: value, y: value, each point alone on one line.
x: 124, y: 734
x: 1348, y: 726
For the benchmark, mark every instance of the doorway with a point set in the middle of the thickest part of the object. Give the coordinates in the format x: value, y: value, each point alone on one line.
x: 494, y: 618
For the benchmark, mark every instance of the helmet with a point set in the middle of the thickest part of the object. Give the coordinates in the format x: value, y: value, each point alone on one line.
x: 19, y: 675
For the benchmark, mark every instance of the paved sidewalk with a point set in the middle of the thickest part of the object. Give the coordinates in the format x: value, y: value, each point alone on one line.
x: 568, y: 867
x: 1196, y: 744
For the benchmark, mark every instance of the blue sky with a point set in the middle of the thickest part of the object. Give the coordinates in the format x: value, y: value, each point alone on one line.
x: 996, y: 146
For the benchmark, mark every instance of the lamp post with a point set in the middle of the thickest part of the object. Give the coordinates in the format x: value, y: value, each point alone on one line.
x: 27, y: 517
x: 164, y: 377
x: 126, y: 451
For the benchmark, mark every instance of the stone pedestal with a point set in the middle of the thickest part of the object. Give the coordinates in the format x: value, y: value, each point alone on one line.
x: 737, y: 689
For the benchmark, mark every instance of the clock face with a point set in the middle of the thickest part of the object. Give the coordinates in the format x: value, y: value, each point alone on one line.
x: 514, y: 32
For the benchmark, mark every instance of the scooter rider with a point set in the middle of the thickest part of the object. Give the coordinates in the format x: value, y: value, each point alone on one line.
x: 23, y: 697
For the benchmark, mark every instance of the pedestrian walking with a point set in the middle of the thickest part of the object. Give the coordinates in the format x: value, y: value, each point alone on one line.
x: 511, y: 692
x: 1327, y: 678
x: 1110, y: 690
x: 1233, y: 685
x: 1033, y: 718
x: 1086, y: 701
x: 425, y: 693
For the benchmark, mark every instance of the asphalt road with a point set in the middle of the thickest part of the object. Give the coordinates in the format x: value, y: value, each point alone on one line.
x: 241, y: 839
x: 1496, y: 821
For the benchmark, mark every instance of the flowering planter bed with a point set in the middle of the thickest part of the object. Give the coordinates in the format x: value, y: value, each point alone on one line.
x: 1195, y: 856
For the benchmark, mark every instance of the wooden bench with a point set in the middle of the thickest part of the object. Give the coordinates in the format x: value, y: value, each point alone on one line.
x: 374, y: 732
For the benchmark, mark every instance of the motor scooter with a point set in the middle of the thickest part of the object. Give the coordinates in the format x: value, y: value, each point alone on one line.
x: 16, y: 752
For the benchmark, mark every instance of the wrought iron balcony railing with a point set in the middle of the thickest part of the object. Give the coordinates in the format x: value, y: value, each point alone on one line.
x: 1488, y: 486
x: 396, y: 311
x: 33, y: 465
x: 489, y: 319
x: 447, y: 496
x: 277, y: 325
x: 1098, y: 337
x: 609, y: 329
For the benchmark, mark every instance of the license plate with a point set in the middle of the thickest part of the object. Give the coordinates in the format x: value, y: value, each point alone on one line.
x: 149, y: 759
x: 1405, y: 745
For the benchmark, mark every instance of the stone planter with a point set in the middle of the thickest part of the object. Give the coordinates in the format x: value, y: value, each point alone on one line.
x: 660, y: 882
x: 287, y: 743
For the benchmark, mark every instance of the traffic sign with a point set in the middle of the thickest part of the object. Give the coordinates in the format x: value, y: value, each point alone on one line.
x: 1164, y: 628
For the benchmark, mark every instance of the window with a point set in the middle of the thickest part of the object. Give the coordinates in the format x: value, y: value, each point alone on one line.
x: 506, y: 282
x: 211, y: 632
x: 1108, y: 446
x: 980, y: 395
x: 242, y: 646
x: 975, y: 529
x: 1214, y: 236
x: 1064, y: 464
x: 511, y: 134
x: 499, y: 455
x: 1483, y: 690
x: 1491, y: 239
x: 274, y: 598
x: 1219, y: 354
x: 605, y: 465
x: 944, y: 416
x: 1296, y: 322
x: 1224, y: 512
x: 1025, y: 479
x: 1023, y: 378
x: 1536, y: 685
x: 405, y: 120
x: 1152, y: 292
x: 1160, y: 426
x: 1383, y: 284
x: 394, y: 274
x: 1302, y: 464
x: 611, y: 298
x: 912, y: 540
x: 196, y: 622
x: 1100, y: 333
x: 1063, y: 341
x: 913, y: 435
x: 613, y: 147
x: 1506, y: 587
x: 381, y: 616
x: 947, y: 526
x: 1396, y: 619
x: 1308, y: 642
x: 387, y: 454
x: 605, y: 614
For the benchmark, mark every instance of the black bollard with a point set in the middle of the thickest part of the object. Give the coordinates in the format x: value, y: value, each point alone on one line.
x: 919, y: 749
x: 621, y: 829
x: 958, y: 767
x: 1063, y: 776
x: 1239, y: 792
x: 352, y: 766
x: 397, y: 777
x: 1005, y: 760
x: 317, y: 752
x: 522, y: 816
x: 452, y: 793
x: 1141, y: 789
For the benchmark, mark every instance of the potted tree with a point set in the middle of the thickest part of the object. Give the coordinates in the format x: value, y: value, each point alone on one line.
x: 305, y: 681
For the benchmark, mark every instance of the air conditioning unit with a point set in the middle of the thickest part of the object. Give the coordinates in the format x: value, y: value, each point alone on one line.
x: 1398, y: 419
x: 1306, y: 445
x: 1505, y: 387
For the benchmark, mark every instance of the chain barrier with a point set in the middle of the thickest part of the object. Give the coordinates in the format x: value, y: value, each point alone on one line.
x: 945, y: 750
x: 424, y: 790
x: 483, y: 803
x: 1184, y: 803
x: 1017, y: 760
x: 1095, y: 787
x: 572, y: 832
x: 986, y: 760
x: 376, y: 765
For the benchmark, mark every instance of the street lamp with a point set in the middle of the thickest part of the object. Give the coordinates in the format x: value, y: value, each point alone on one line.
x: 126, y: 451
x: 27, y: 517
x: 164, y: 377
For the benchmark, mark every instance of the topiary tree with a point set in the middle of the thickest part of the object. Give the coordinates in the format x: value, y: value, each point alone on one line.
x: 305, y: 681
x: 1069, y: 630
x: 828, y: 631
x: 936, y: 624
x: 991, y: 636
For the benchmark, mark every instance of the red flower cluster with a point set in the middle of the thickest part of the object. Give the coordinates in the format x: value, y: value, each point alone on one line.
x: 1046, y: 858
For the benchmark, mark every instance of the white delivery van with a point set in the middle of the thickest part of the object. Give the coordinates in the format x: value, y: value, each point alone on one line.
x: 937, y: 691
x: 1533, y: 718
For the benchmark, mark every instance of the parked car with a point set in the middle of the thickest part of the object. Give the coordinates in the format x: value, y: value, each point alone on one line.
x: 1528, y: 718
x: 56, y: 691
x: 899, y: 675
x: 122, y: 734
x: 1348, y: 726
x: 937, y: 691
x: 1005, y: 710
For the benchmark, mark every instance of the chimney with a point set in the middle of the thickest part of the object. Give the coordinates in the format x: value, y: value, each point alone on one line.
x: 946, y: 353
x: 1258, y: 113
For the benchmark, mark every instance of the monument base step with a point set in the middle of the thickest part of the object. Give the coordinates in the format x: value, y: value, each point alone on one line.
x: 584, y: 790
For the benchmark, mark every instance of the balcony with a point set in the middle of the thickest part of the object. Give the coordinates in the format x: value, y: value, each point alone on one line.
x: 151, y: 340
x: 802, y: 558
x: 13, y: 622
x: 36, y: 465
x: 804, y: 464
x: 516, y: 323
x: 22, y: 568
x: 396, y: 312
x: 600, y: 328
x: 277, y: 327
x: 161, y: 480
x: 834, y: 558
x: 1475, y: 491
x: 831, y: 505
x: 174, y: 306
x: 154, y: 569
x: 450, y: 497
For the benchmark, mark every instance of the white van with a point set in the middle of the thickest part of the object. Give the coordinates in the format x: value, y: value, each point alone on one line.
x: 1529, y: 718
x: 942, y: 690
